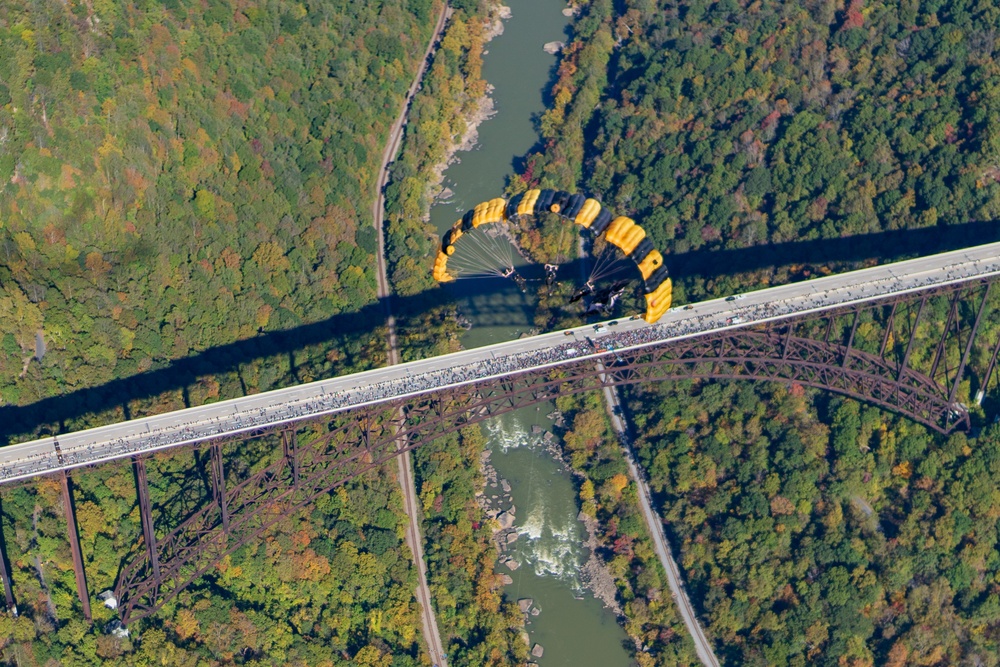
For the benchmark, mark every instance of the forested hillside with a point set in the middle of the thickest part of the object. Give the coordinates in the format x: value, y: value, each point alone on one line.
x: 331, y: 585
x: 728, y: 125
x: 812, y: 529
x: 176, y: 176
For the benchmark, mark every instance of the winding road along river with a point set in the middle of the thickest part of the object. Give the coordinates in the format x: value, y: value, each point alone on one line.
x: 573, y: 627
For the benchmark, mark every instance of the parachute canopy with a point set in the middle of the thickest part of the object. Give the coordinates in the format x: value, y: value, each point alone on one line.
x: 586, y: 212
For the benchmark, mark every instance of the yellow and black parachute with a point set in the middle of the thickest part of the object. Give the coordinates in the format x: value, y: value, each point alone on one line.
x: 620, y: 231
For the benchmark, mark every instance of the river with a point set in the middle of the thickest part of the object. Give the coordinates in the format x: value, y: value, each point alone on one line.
x: 573, y: 627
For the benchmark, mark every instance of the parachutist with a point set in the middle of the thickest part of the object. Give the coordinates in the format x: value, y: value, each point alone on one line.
x: 604, y: 300
x: 585, y: 212
x: 550, y: 276
x: 588, y: 288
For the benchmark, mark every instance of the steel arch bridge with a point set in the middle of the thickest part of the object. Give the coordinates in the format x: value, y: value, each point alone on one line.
x: 938, y: 328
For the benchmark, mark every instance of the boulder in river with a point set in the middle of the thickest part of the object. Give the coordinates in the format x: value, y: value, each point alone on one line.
x: 537, y: 650
x: 524, y: 604
x: 506, y: 580
x: 506, y: 520
x: 553, y: 48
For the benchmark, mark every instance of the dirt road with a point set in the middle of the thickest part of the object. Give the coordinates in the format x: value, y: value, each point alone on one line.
x: 655, y: 527
x: 413, y: 536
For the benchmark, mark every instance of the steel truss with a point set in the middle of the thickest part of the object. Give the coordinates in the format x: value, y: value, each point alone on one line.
x: 364, y: 439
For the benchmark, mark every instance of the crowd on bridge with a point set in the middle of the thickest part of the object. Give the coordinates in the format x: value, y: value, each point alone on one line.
x: 609, y: 340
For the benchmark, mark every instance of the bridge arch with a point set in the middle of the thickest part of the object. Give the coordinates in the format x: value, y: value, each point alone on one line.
x: 365, y: 439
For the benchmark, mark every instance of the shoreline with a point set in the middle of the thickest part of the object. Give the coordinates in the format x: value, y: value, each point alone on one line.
x: 483, y: 110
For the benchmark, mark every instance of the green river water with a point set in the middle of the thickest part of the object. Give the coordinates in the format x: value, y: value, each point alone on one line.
x: 573, y: 627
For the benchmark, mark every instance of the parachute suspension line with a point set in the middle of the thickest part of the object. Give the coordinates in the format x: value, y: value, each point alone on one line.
x: 607, y: 264
x: 486, y: 253
x: 497, y: 249
x: 477, y: 259
x: 500, y: 246
x: 477, y: 262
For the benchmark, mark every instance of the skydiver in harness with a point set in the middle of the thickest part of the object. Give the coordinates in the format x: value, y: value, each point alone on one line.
x: 518, y: 279
x: 550, y: 274
x: 587, y: 289
x: 520, y: 282
x: 604, y: 300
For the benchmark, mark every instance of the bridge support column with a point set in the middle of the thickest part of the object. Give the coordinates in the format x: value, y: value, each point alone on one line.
x: 984, y: 387
x: 289, y: 444
x: 939, y: 353
x: 968, y: 345
x: 850, y: 339
x: 74, y: 546
x: 909, y: 344
x: 890, y: 323
x: 788, y: 337
x: 8, y: 586
x: 146, y: 514
x: 219, y: 485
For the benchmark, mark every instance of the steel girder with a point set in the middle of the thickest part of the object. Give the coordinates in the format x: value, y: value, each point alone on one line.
x: 367, y: 438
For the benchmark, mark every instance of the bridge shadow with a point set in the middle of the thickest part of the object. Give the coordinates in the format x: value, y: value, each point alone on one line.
x: 58, y: 413
x: 55, y: 414
x: 885, y: 246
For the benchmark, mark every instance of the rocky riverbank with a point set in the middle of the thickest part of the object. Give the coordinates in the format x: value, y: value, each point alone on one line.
x: 497, y: 504
x: 482, y: 111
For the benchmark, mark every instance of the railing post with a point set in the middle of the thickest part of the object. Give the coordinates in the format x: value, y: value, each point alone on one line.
x: 146, y: 514
x: 219, y: 485
x: 74, y: 546
x: 8, y: 586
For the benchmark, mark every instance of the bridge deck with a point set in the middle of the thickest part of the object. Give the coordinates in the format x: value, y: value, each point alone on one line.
x: 286, y: 406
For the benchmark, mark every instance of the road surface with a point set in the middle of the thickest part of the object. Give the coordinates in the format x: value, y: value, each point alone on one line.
x: 306, y: 401
x: 406, y: 482
x: 655, y: 528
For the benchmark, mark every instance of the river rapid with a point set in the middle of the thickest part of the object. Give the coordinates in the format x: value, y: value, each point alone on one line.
x: 573, y: 628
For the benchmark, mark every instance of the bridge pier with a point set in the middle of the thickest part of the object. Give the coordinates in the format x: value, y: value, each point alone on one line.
x: 984, y: 387
x: 850, y: 339
x: 968, y: 344
x: 909, y: 344
x: 890, y: 323
x: 146, y: 514
x: 219, y: 485
x: 289, y: 446
x: 74, y: 545
x: 8, y: 586
x: 939, y: 353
